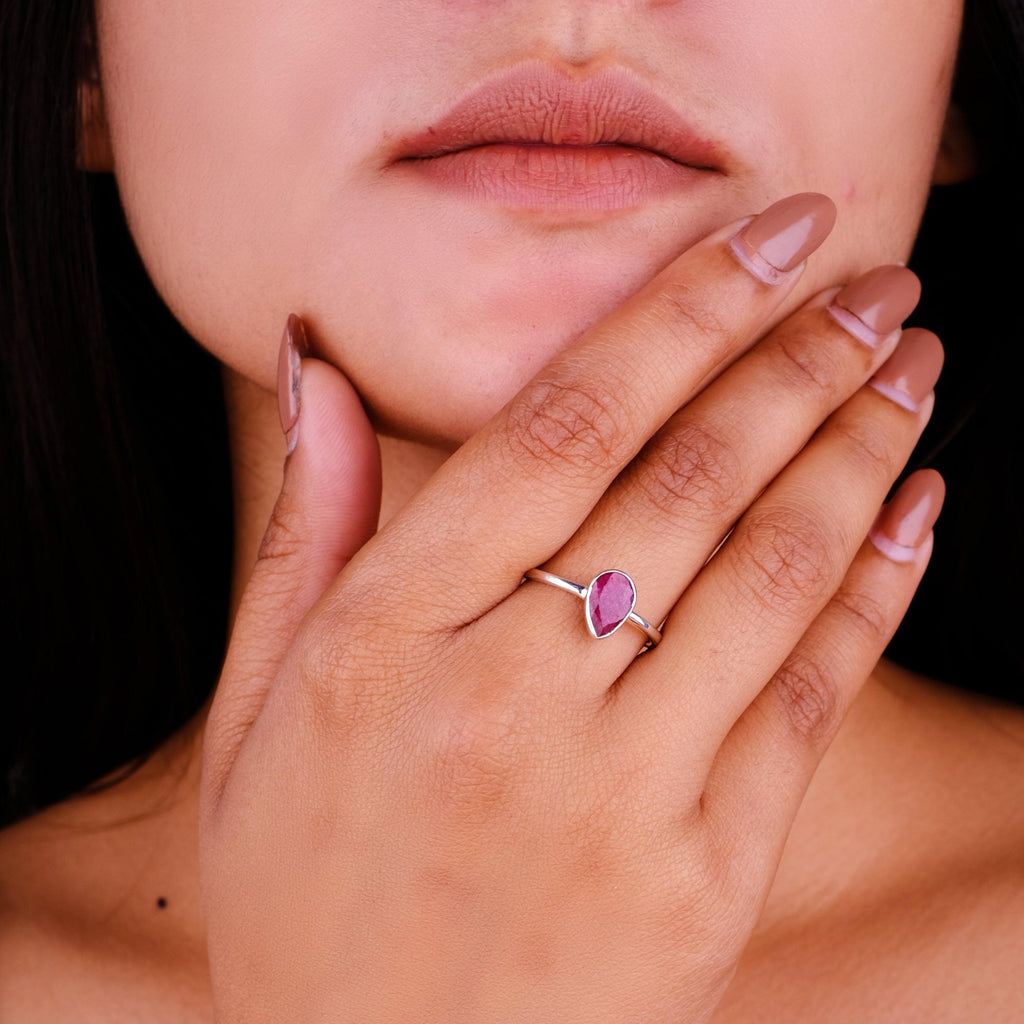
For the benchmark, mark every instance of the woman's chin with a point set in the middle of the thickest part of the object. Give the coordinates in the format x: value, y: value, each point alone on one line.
x: 437, y: 373
x: 445, y: 400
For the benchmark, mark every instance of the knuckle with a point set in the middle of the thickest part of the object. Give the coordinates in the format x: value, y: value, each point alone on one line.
x: 689, y: 469
x: 807, y: 366
x: 559, y: 423
x: 350, y: 679
x: 687, y: 313
x: 788, y: 556
x: 476, y: 760
x: 870, y: 444
x: 703, y: 914
x: 282, y: 539
x: 864, y: 614
x: 810, y: 698
x: 336, y: 694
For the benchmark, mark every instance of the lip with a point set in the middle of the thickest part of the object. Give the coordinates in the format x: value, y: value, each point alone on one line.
x: 538, y: 139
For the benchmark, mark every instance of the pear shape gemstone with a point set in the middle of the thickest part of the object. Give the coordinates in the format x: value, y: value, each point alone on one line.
x: 610, y: 599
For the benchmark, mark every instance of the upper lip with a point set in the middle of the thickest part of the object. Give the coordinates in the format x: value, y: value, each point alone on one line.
x: 533, y: 104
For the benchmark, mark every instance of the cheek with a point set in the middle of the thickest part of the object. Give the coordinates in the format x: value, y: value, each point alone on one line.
x: 863, y: 113
x: 225, y: 130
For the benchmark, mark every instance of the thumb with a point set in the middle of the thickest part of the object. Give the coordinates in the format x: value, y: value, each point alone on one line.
x: 327, y: 509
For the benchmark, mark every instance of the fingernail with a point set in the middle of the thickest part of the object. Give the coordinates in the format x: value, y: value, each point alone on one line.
x: 778, y: 240
x: 909, y: 374
x: 905, y: 522
x: 289, y: 374
x: 876, y: 304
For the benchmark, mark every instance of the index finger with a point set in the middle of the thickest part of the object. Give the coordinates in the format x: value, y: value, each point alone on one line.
x: 518, y: 489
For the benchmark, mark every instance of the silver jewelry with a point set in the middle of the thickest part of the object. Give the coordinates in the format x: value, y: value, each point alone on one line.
x: 608, y: 602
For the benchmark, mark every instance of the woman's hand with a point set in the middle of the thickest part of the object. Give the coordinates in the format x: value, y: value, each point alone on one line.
x: 430, y: 795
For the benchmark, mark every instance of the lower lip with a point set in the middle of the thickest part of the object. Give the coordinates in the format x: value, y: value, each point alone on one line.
x: 549, y: 177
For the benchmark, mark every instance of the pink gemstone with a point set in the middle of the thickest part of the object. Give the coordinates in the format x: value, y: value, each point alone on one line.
x: 610, y: 599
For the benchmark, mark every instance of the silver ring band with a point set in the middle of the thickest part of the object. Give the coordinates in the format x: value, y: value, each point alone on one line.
x: 605, y: 599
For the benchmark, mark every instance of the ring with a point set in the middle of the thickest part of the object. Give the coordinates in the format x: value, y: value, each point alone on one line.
x: 608, y: 602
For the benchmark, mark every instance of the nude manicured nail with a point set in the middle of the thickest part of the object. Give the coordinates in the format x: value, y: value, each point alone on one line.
x: 778, y: 240
x: 289, y: 375
x: 909, y: 374
x: 905, y: 522
x: 877, y: 303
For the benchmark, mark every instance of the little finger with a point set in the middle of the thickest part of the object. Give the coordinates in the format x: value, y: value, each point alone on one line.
x: 750, y: 605
x: 766, y: 762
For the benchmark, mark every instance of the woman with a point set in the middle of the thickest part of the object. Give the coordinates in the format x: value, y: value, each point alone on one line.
x: 577, y: 266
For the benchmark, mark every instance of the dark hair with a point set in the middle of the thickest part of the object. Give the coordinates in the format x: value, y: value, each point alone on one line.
x: 117, y: 524
x: 116, y: 507
x: 962, y: 627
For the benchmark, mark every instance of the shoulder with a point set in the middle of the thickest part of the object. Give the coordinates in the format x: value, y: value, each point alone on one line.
x: 902, y: 892
x: 83, y: 937
x: 955, y: 909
